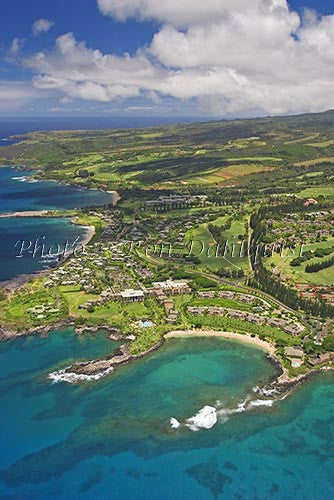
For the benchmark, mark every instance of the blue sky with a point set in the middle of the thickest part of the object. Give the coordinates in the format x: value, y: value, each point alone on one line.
x: 146, y: 57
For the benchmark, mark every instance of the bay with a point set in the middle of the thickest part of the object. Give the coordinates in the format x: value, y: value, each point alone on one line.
x: 17, y: 193
x: 113, y: 439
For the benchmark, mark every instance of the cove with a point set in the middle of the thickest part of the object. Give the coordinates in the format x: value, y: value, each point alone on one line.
x: 113, y: 439
x: 18, y: 193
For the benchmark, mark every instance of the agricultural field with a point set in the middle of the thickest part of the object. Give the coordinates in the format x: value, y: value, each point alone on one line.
x: 193, y: 200
x: 180, y: 156
x: 316, y: 191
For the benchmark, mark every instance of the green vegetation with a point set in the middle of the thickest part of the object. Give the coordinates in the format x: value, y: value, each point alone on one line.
x: 257, y: 153
x: 251, y: 194
x: 264, y: 332
x: 145, y: 341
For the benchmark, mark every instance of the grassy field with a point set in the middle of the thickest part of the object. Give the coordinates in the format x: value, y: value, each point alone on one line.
x: 203, y: 154
x: 322, y: 144
x: 224, y: 174
x: 205, y: 247
x: 298, y: 274
x: 315, y: 161
x: 313, y: 192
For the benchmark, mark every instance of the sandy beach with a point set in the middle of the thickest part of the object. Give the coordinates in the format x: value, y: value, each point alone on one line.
x: 262, y: 344
x: 89, y: 235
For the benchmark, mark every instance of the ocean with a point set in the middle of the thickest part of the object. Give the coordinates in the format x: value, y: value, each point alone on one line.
x: 17, y: 193
x: 113, y: 438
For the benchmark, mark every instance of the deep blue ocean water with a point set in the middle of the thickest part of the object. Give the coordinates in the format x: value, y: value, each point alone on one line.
x: 18, y: 194
x: 112, y: 439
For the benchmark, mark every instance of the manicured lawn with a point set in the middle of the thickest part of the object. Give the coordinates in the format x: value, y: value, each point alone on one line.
x: 16, y: 310
x: 205, y: 247
x: 298, y: 274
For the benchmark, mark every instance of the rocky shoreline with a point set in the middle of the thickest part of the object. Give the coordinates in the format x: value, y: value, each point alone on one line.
x: 96, y: 369
x: 279, y: 387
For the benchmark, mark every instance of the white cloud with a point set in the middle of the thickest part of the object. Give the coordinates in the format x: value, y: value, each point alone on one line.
x: 41, y: 26
x: 181, y: 12
x: 16, y: 46
x: 15, y: 94
x: 88, y: 74
x: 240, y: 57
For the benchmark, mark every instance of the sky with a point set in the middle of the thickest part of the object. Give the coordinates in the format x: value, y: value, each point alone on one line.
x: 218, y: 58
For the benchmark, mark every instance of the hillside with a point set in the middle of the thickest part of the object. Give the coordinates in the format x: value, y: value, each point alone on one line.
x: 294, y: 152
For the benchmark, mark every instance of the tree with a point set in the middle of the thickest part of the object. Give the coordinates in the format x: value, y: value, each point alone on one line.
x: 328, y: 343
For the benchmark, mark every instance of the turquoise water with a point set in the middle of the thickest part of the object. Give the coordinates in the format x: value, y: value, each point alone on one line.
x: 113, y: 439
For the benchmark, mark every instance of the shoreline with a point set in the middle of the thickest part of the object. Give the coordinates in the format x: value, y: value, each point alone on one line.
x: 19, y: 281
x: 99, y: 368
x: 91, y: 231
x: 115, y: 194
x: 279, y: 387
x: 245, y: 338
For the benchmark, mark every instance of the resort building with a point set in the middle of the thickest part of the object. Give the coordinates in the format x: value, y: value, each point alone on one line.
x: 176, y: 287
x: 295, y: 355
x: 132, y: 295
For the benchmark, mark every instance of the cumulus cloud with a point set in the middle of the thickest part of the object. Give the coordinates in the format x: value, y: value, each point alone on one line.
x: 179, y: 12
x: 240, y: 57
x: 82, y: 72
x: 41, y: 26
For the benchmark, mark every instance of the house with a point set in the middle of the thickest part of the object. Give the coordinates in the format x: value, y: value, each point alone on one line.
x: 224, y: 294
x: 276, y: 322
x: 216, y: 311
x: 248, y: 299
x: 197, y: 311
x: 310, y: 201
x: 328, y: 357
x: 295, y: 355
x: 294, y: 352
x: 169, y: 305
x: 293, y: 329
x: 255, y: 318
x: 206, y: 295
x: 237, y: 314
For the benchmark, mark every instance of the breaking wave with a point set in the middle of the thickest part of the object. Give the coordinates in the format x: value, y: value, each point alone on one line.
x: 74, y: 378
x: 208, y: 416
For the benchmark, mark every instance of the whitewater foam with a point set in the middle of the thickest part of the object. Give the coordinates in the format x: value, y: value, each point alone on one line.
x: 74, y: 378
x: 265, y: 392
x: 22, y: 178
x: 206, y: 418
x: 261, y: 402
x: 174, y: 423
